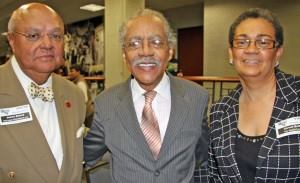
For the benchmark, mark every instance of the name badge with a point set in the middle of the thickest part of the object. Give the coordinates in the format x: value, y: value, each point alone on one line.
x: 290, y: 126
x: 15, y: 115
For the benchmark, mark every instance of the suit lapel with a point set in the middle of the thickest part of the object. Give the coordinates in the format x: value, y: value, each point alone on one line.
x: 282, y: 110
x: 227, y: 141
x: 228, y: 149
x: 32, y: 142
x: 65, y: 139
x: 127, y: 116
x: 179, y: 101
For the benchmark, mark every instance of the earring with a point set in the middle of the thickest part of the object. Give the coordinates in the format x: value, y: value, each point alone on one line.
x: 231, y: 61
x: 277, y: 63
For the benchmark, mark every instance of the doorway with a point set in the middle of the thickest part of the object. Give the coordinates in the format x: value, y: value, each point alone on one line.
x: 190, y: 51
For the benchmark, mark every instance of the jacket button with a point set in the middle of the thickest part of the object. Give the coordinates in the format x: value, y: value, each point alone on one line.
x: 157, y: 173
x: 11, y: 175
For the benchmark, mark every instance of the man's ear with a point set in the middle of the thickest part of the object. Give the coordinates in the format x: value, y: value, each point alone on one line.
x: 124, y: 57
x: 11, y: 40
x: 171, y: 52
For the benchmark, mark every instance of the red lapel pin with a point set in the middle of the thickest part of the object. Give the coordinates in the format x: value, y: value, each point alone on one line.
x: 68, y: 104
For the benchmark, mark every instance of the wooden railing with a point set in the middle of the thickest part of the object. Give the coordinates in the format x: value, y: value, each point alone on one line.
x: 215, y: 84
x: 94, y: 78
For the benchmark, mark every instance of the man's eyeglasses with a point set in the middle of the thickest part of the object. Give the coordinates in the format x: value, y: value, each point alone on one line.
x: 37, y: 36
x: 259, y: 43
x: 137, y: 43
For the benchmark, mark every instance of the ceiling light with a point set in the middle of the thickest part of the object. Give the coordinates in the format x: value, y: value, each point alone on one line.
x: 92, y: 7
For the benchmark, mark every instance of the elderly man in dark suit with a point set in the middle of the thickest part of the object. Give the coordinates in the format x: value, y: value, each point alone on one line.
x: 154, y: 124
x: 41, y: 113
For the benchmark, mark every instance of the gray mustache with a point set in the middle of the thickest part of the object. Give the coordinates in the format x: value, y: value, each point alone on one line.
x: 145, y: 60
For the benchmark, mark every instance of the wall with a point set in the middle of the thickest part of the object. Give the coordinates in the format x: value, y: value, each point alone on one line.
x: 3, y: 46
x: 116, y: 12
x: 187, y: 16
x: 219, y: 14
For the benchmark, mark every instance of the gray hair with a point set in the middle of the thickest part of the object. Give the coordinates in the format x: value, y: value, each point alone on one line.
x: 258, y: 13
x: 152, y: 13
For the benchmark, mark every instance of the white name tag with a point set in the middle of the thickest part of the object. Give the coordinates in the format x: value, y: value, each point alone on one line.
x: 287, y: 127
x: 15, y: 115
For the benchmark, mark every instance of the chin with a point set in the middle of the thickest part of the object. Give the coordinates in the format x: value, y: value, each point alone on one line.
x: 250, y: 74
x: 46, y: 68
x: 145, y: 80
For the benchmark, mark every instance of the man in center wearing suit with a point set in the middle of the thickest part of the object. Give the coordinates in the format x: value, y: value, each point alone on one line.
x: 154, y: 125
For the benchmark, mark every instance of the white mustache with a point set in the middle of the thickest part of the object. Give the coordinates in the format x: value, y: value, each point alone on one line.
x: 145, y: 60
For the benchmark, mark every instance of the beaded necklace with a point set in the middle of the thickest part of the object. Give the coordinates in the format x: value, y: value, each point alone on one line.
x: 252, y: 139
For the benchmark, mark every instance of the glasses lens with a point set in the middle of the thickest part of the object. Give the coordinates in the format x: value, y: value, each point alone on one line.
x: 265, y: 43
x: 241, y: 43
x: 259, y: 43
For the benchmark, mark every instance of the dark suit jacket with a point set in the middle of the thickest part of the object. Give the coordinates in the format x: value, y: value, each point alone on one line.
x: 278, y: 158
x: 24, y: 148
x: 116, y: 129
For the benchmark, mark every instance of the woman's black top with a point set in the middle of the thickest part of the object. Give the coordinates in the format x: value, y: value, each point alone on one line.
x: 246, y: 152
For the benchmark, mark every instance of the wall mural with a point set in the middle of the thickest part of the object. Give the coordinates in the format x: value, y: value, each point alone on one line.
x: 84, y: 46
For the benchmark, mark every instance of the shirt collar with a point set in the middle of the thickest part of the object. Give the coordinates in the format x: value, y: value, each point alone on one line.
x: 162, y: 89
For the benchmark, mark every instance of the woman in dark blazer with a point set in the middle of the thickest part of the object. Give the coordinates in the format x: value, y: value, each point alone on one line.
x: 255, y: 131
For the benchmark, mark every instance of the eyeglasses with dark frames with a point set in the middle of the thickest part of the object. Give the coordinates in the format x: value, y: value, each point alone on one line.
x: 259, y: 43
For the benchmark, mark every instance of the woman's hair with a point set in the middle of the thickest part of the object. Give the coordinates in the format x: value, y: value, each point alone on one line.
x: 258, y: 13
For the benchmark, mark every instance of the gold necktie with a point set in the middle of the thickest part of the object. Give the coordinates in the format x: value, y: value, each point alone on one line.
x: 45, y: 93
x: 149, y: 125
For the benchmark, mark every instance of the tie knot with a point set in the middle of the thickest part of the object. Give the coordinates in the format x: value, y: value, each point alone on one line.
x: 149, y: 96
x: 45, y: 93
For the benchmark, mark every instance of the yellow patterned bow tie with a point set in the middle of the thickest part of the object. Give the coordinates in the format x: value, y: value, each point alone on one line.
x: 45, y: 93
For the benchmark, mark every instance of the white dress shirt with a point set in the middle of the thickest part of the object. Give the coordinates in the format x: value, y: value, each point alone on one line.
x: 45, y: 112
x: 161, y: 104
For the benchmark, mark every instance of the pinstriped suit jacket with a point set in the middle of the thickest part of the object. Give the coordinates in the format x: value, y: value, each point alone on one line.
x: 278, y: 158
x: 24, y: 148
x: 116, y: 129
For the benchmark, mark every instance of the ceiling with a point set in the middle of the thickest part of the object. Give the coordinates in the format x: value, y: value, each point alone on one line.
x: 69, y: 9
